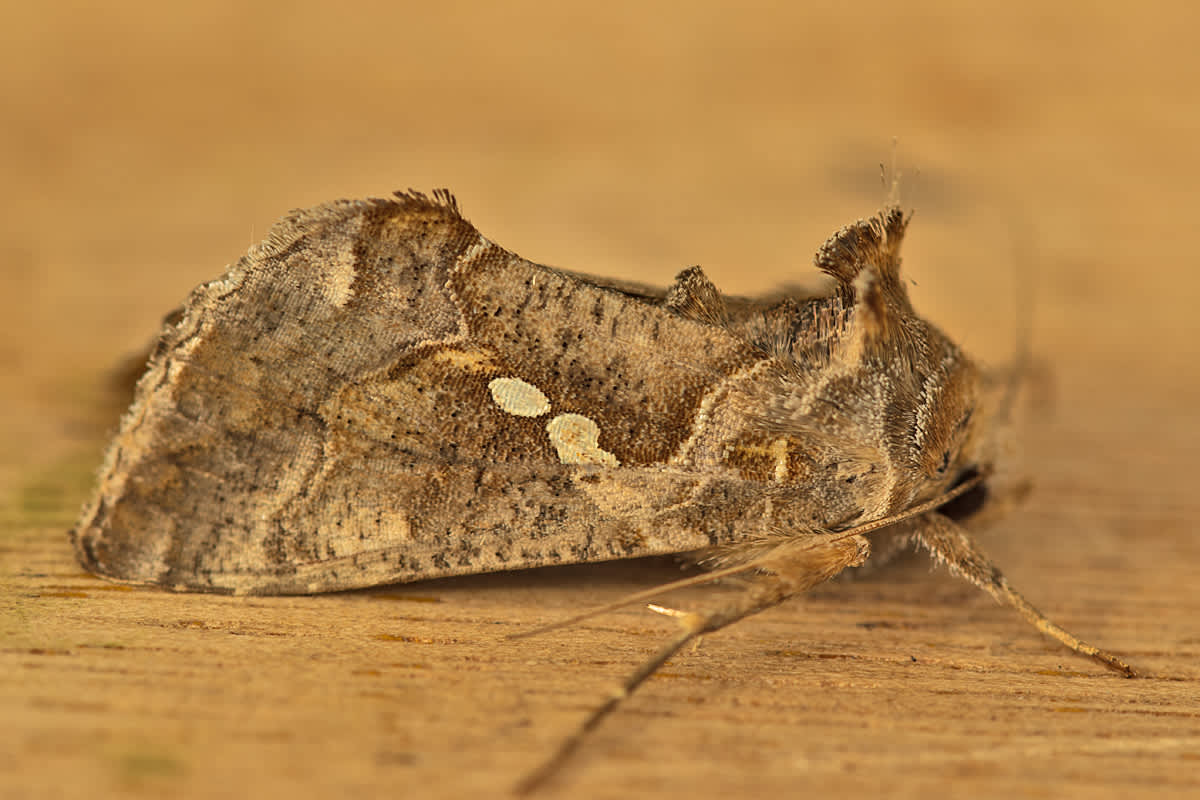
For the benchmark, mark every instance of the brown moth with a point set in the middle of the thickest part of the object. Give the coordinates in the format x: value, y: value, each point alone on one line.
x: 379, y: 394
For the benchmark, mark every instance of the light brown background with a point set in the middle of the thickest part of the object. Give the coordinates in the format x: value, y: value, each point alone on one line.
x: 142, y: 148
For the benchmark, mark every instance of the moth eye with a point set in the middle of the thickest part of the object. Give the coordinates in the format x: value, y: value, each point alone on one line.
x: 945, y: 465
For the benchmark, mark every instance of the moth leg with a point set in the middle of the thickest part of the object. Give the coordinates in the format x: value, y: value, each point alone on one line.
x: 666, y: 611
x: 675, y: 612
x: 952, y: 545
x: 794, y: 570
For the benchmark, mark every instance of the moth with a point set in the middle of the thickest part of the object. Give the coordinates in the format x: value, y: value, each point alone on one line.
x: 378, y: 394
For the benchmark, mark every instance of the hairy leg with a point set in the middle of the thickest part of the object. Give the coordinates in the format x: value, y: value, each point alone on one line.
x: 951, y: 545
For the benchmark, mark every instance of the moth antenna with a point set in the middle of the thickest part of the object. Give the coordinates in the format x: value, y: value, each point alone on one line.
x: 867, y: 527
x: 538, y: 777
x: 796, y: 573
x: 638, y: 597
x: 760, y: 561
x: 920, y: 508
x: 793, y: 573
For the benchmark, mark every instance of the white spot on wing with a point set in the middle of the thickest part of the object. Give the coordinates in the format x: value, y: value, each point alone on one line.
x: 519, y: 397
x: 577, y: 440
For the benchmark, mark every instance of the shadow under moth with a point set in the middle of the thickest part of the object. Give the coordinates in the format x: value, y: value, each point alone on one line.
x: 378, y: 394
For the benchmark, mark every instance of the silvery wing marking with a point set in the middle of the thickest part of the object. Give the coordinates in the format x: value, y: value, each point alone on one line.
x: 377, y: 393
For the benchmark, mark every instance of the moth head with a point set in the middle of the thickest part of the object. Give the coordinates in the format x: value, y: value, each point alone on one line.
x: 945, y: 420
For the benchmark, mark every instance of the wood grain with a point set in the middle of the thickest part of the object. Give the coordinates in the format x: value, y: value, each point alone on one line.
x: 144, y: 148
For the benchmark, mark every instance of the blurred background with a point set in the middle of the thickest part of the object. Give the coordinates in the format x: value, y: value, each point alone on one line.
x: 144, y: 146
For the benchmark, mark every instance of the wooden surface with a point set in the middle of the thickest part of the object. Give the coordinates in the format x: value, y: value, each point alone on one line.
x: 144, y: 148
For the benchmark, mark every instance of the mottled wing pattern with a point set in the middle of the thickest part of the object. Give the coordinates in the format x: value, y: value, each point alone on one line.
x: 349, y: 405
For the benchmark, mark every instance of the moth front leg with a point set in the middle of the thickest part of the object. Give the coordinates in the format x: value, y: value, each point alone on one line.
x: 792, y: 569
x: 950, y: 544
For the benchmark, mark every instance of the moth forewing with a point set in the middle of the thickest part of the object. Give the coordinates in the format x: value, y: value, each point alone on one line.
x: 327, y: 416
x: 377, y: 393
